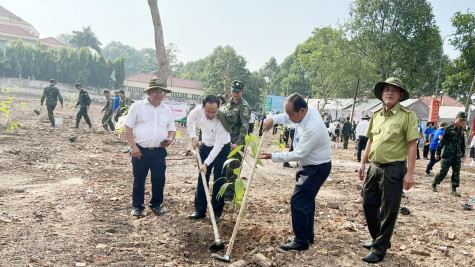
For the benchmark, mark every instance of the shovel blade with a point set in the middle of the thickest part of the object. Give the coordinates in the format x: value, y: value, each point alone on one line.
x: 36, y: 112
x: 226, y: 257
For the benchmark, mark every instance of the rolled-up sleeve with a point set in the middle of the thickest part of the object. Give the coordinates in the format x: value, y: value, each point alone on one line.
x: 281, y: 119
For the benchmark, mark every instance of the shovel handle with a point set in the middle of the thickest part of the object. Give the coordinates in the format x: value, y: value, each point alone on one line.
x: 244, y: 198
x: 208, y: 198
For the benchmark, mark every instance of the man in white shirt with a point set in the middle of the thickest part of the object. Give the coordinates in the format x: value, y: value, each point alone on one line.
x: 312, y: 151
x: 361, y: 138
x: 252, y: 120
x: 149, y: 129
x: 214, y: 149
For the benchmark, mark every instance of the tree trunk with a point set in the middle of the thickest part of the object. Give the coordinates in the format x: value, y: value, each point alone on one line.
x: 159, y: 42
x: 470, y: 95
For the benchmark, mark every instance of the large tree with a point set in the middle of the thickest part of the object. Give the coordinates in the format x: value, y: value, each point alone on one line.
x: 85, y: 38
x: 159, y: 41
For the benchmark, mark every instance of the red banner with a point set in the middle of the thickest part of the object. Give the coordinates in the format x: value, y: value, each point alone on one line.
x: 434, y: 111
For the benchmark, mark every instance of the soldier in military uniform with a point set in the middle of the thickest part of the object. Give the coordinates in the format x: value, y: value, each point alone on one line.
x: 451, y: 149
x: 52, y: 94
x: 108, y: 111
x: 124, y: 105
x: 392, y: 134
x: 346, y: 131
x: 236, y: 108
x: 84, y: 102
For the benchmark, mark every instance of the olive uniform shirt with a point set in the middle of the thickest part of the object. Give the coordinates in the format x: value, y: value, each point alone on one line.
x: 52, y: 94
x: 390, y: 132
x: 83, y: 100
x: 109, y: 107
x: 452, y: 144
x: 238, y: 108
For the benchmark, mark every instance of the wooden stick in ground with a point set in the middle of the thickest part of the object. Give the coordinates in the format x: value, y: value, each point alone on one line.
x: 208, y: 199
x: 244, y: 199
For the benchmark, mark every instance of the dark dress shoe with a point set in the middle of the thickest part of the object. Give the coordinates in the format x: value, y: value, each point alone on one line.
x: 294, y: 246
x: 286, y: 164
x: 291, y: 239
x: 372, y: 258
x: 158, y: 211
x: 368, y: 245
x: 196, y: 215
x: 136, y: 212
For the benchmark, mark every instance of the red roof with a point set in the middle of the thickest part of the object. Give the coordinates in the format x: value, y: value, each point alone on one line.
x: 51, y: 40
x: 14, y: 30
x: 444, y: 101
x: 171, y: 81
x: 7, y: 13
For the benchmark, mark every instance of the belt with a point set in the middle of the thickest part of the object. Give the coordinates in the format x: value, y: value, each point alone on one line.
x: 149, y: 148
x: 382, y: 165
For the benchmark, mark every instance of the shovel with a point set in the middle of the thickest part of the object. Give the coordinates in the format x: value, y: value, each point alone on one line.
x: 227, y: 256
x: 37, y: 112
x: 218, y: 245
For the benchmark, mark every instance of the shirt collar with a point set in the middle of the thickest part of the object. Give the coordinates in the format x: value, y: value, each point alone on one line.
x: 148, y: 102
x: 393, y: 110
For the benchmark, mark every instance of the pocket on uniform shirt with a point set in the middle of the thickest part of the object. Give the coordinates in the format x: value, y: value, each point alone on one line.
x: 394, y: 130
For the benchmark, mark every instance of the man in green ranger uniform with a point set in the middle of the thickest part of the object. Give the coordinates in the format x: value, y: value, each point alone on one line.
x: 124, y: 105
x: 236, y: 106
x: 84, y: 101
x: 346, y: 131
x: 392, y: 147
x: 451, y: 149
x: 52, y: 94
x: 108, y: 111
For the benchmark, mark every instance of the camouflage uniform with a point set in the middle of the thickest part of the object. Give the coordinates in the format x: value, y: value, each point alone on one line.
x: 451, y: 149
x: 236, y: 109
x: 346, y: 131
x: 124, y: 105
x: 52, y: 94
x: 353, y: 131
x: 108, y: 111
x: 83, y: 102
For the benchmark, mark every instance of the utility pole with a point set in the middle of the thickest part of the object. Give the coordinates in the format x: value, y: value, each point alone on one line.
x: 354, y: 100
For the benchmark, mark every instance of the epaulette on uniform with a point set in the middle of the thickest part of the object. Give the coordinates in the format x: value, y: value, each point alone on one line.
x: 406, y: 109
x: 378, y: 110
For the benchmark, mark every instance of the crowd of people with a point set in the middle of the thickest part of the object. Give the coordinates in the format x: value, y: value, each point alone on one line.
x: 388, y: 141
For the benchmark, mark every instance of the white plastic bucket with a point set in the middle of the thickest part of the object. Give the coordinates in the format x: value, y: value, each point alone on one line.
x: 337, y: 146
x: 58, y: 121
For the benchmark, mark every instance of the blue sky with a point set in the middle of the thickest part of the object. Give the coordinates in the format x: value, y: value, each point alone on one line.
x: 257, y: 29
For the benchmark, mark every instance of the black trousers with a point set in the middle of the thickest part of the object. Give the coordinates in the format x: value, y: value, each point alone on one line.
x: 153, y: 160
x: 426, y: 151
x: 302, y: 203
x: 83, y: 113
x: 432, y: 161
x: 362, y: 141
x: 200, y: 197
x: 251, y: 128
x: 382, y: 193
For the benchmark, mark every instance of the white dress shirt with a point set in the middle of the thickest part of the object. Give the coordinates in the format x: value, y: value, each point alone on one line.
x: 252, y: 117
x: 150, y: 124
x: 213, y: 132
x: 361, y: 128
x: 311, y: 142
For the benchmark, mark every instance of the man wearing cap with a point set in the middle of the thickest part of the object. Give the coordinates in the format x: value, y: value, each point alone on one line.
x: 124, y: 104
x: 361, y: 139
x: 236, y: 108
x: 149, y: 129
x: 346, y: 131
x: 392, y: 139
x: 434, y: 142
x: 84, y: 102
x: 451, y: 149
x: 108, y: 111
x: 52, y: 94
x: 427, y: 132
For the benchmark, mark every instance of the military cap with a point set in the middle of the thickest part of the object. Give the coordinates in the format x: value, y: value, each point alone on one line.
x: 237, y: 86
x: 121, y: 91
x: 430, y: 122
x: 444, y: 125
x: 366, y: 117
x: 462, y: 115
x: 157, y: 83
x: 222, y: 98
x: 106, y: 92
x: 52, y: 81
x: 116, y: 92
x: 77, y: 85
x: 378, y: 88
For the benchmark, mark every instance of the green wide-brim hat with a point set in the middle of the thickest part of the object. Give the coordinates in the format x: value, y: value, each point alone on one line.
x: 157, y: 83
x: 378, y: 88
x: 444, y: 125
x: 366, y: 117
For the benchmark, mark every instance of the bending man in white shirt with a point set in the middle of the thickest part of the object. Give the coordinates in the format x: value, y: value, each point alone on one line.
x: 214, y: 149
x: 312, y: 151
x: 149, y: 129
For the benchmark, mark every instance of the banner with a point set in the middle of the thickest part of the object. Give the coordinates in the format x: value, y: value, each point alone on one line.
x: 434, y: 111
x: 178, y: 109
x: 274, y: 103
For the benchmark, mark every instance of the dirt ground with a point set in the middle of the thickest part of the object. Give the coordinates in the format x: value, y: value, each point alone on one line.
x: 68, y: 203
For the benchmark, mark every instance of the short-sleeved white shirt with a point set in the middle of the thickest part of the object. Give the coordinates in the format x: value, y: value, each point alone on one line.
x: 150, y: 124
